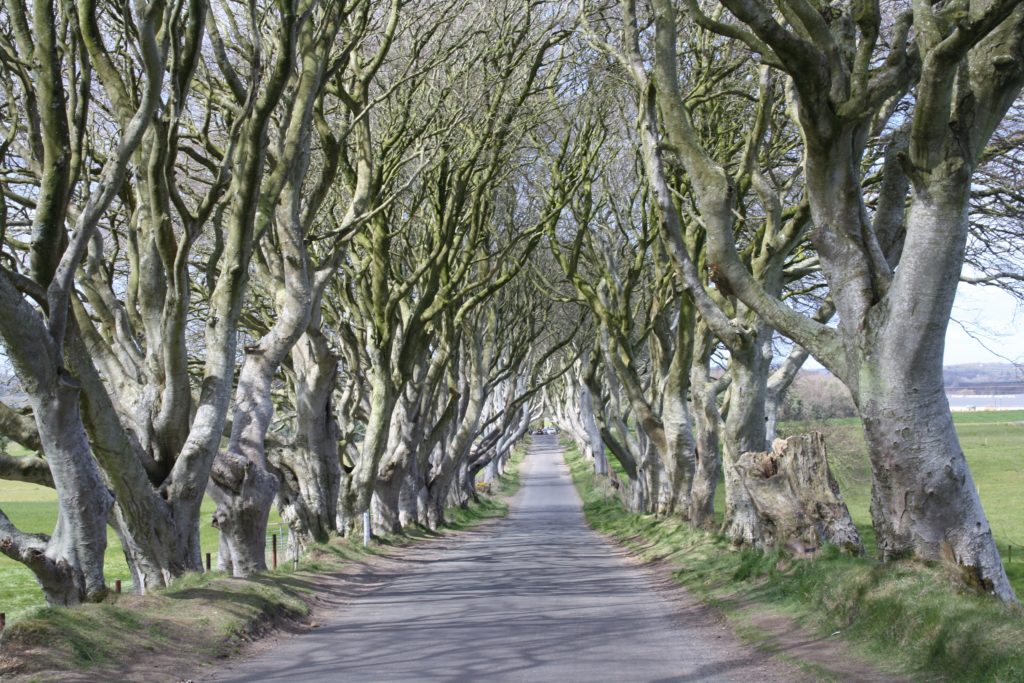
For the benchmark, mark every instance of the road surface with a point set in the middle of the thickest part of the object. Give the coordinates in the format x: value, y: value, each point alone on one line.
x: 535, y: 597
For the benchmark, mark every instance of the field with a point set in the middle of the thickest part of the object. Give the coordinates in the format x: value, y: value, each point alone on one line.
x: 32, y: 508
x: 994, y: 445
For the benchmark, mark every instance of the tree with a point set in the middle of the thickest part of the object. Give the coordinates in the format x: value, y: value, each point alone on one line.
x: 243, y: 484
x: 46, y: 139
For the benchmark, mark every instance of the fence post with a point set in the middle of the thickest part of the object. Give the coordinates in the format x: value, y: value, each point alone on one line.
x: 117, y: 586
x: 3, y: 621
x: 273, y: 542
x: 207, y: 561
x: 293, y: 544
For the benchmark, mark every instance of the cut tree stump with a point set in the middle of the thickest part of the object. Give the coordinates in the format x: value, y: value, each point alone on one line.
x: 797, y: 498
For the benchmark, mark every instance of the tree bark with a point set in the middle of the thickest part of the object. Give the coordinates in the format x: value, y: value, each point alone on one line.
x: 707, y: 425
x: 69, y: 564
x: 924, y: 501
x: 309, y: 465
x: 797, y: 499
x: 743, y: 431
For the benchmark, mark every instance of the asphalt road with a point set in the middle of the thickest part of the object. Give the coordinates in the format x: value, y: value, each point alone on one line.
x: 535, y: 597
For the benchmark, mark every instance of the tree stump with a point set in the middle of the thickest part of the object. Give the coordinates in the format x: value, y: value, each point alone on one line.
x: 797, y: 498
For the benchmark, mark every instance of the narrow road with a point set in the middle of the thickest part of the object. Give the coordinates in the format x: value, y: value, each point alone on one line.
x: 535, y: 597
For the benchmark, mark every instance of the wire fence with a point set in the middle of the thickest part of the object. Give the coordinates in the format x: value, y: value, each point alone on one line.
x: 280, y: 548
x: 281, y: 545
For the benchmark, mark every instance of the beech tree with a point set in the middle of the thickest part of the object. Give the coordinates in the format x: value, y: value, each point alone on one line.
x: 674, y: 168
x: 401, y: 290
x: 360, y: 190
x: 243, y: 483
x: 204, y: 168
x: 892, y: 272
x: 46, y: 138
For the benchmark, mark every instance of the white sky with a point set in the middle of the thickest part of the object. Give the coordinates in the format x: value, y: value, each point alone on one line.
x: 994, y: 318
x: 987, y: 327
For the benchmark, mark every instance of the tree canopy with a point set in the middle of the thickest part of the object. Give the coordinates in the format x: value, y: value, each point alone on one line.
x: 340, y: 255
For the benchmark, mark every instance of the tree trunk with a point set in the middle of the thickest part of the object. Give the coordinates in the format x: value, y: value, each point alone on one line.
x: 244, y: 495
x: 924, y: 502
x: 69, y: 564
x: 493, y: 470
x: 387, y: 498
x: 679, y: 464
x: 743, y: 431
x: 797, y: 499
x: 709, y: 462
x: 309, y: 467
x: 358, y: 486
x: 408, y: 499
x: 394, y: 466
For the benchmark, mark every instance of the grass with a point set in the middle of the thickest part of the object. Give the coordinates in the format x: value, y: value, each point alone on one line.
x: 205, y: 616
x: 33, y: 509
x: 918, y: 619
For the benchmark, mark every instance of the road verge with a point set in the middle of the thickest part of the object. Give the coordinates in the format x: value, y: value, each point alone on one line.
x: 204, y: 618
x: 906, y: 618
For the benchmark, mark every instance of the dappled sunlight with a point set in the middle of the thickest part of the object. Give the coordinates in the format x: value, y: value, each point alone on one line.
x: 538, y: 596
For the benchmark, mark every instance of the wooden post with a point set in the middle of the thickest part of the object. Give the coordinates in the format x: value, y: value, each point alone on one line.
x: 117, y: 586
x: 273, y: 542
x: 3, y: 621
x: 207, y: 561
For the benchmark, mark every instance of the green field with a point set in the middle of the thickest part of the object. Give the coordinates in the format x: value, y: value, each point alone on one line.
x: 994, y: 445
x: 32, y: 508
x: 993, y: 442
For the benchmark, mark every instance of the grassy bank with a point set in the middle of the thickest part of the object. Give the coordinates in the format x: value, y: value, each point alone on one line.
x: 915, y: 618
x: 202, y: 617
x: 34, y: 510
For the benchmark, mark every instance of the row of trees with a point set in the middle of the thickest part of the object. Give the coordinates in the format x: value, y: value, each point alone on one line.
x: 792, y: 162
x: 266, y: 252
x: 336, y: 254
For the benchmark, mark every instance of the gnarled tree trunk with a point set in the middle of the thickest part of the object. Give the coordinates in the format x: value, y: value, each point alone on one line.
x: 69, y: 564
x: 797, y: 498
x: 308, y: 466
x: 743, y: 432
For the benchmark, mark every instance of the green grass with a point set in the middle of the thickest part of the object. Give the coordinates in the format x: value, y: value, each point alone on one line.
x: 205, y: 615
x: 492, y: 506
x: 33, y: 509
x: 917, y: 618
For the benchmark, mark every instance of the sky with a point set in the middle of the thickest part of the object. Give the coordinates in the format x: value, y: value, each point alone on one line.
x: 994, y: 318
x: 987, y: 327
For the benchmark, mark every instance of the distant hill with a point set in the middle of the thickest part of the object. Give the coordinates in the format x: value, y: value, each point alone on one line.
x: 984, y: 378
x: 973, y: 378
